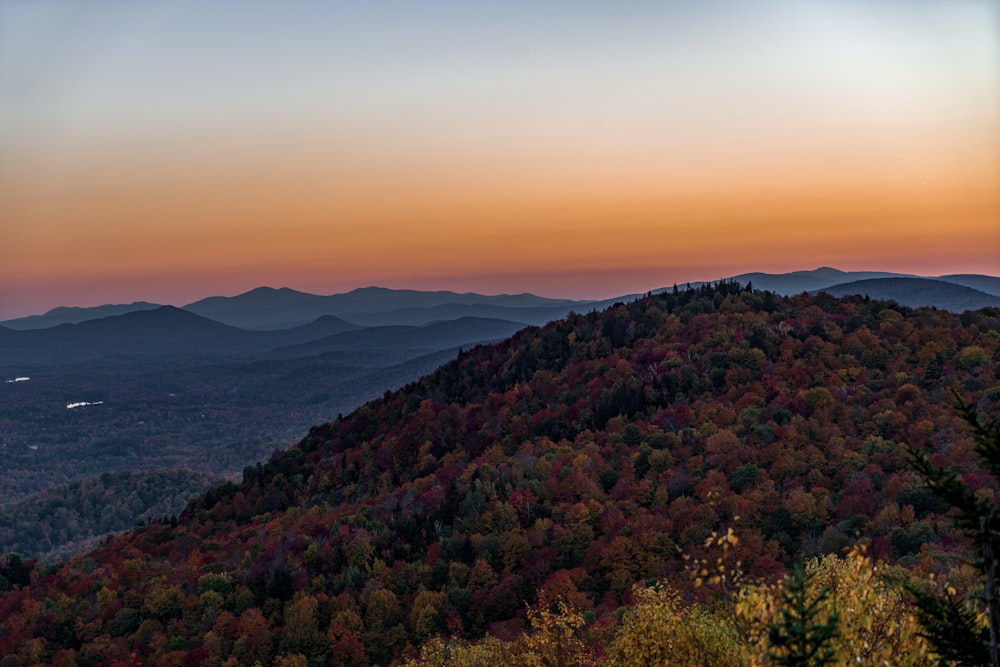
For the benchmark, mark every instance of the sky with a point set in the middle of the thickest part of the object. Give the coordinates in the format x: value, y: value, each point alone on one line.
x: 169, y: 151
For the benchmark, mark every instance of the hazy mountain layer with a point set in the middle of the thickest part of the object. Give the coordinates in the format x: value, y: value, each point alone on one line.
x: 266, y: 308
x: 270, y: 309
x: 75, y: 315
x: 917, y: 292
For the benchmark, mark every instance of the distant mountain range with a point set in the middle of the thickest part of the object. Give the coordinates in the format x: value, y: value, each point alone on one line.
x: 267, y: 308
x: 284, y: 309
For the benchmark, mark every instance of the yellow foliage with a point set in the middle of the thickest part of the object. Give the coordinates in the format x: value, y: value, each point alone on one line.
x: 876, y: 626
x: 554, y: 640
x: 424, y: 612
x: 724, y: 570
x: 660, y: 630
x: 105, y: 595
x: 438, y: 652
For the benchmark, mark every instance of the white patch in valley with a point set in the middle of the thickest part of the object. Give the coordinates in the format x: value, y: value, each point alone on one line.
x: 70, y: 406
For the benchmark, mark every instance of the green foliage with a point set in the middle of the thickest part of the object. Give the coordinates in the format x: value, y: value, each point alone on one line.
x: 803, y: 635
x: 953, y: 627
x: 956, y: 627
x: 875, y: 621
x: 70, y: 518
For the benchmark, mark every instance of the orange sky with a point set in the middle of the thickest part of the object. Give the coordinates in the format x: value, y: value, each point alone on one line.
x: 613, y: 153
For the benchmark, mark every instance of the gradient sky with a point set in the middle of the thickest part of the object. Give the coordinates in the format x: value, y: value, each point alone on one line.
x: 169, y: 151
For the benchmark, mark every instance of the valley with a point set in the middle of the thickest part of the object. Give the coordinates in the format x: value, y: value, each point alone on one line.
x: 161, y: 389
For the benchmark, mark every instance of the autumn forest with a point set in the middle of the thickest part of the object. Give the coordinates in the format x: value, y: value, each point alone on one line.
x: 658, y: 482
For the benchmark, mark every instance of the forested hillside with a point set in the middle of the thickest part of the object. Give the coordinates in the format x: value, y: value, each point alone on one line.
x: 59, y: 522
x: 567, y: 463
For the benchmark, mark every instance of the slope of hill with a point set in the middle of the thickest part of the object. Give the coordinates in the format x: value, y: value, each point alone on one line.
x: 75, y: 315
x: 536, y: 315
x: 327, y: 325
x: 60, y: 521
x: 427, y: 338
x: 213, y: 415
x: 988, y: 284
x: 917, y: 292
x: 573, y: 460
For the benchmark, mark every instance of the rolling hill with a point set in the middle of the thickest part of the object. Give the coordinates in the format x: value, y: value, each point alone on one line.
x: 75, y: 315
x: 161, y: 332
x: 826, y: 278
x: 917, y: 292
x: 988, y: 284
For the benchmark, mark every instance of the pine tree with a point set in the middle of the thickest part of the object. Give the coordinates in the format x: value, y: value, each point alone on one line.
x: 950, y: 624
x: 800, y: 638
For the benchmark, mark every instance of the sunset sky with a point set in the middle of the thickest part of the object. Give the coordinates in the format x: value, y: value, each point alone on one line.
x: 169, y: 151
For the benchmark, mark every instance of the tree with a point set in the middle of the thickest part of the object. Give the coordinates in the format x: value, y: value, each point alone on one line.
x: 300, y: 634
x: 660, y: 630
x: 952, y: 625
x: 800, y: 636
x: 875, y: 623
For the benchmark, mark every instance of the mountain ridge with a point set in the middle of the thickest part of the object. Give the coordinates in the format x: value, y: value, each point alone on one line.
x: 283, y: 308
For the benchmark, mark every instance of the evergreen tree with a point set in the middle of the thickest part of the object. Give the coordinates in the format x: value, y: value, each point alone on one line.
x: 951, y: 625
x: 800, y: 638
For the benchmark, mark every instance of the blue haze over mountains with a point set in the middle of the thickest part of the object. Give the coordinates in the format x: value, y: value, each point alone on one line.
x: 266, y: 308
